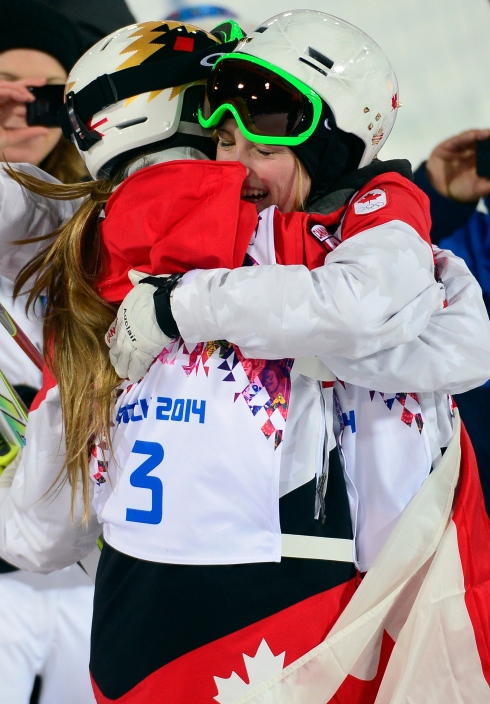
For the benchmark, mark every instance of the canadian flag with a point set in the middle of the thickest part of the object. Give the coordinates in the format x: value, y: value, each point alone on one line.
x: 427, y: 599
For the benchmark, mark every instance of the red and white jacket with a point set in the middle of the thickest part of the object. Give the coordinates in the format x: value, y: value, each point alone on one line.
x: 371, y: 310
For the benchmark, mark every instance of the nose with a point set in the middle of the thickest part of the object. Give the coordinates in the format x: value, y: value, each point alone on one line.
x: 242, y: 154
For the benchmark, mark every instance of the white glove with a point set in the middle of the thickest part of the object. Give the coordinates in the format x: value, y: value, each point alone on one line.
x: 134, y: 338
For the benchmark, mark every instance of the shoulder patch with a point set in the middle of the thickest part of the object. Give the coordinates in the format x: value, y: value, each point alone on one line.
x: 323, y: 235
x: 370, y: 201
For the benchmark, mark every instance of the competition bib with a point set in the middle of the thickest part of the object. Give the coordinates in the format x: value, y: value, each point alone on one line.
x: 195, y: 477
x: 385, y: 446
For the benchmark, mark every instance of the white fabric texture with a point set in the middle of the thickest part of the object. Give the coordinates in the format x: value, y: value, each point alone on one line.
x: 212, y: 494
x: 385, y: 448
x: 36, y: 529
x: 45, y: 620
x: 438, y: 623
x: 45, y: 630
x: 438, y: 358
x: 14, y: 363
x: 24, y: 215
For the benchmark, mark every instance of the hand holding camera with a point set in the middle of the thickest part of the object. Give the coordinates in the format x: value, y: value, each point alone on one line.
x: 459, y: 167
x: 15, y: 97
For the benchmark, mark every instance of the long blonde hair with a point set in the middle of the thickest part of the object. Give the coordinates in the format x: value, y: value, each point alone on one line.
x: 300, y: 200
x: 65, y: 163
x: 76, y: 320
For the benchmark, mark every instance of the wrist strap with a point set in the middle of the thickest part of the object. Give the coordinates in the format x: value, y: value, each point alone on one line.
x: 163, y: 310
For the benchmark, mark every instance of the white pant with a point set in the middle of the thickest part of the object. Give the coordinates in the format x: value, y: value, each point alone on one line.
x: 45, y: 623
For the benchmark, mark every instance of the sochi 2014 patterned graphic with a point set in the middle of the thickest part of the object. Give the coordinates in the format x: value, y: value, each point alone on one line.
x: 268, y: 388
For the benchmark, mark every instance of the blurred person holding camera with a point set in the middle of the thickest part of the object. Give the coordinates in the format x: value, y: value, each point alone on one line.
x: 38, y: 46
x: 37, y: 49
x: 44, y: 619
x: 456, y: 177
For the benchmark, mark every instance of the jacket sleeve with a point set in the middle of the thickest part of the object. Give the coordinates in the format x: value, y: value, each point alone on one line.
x: 451, y: 355
x: 374, y: 292
x: 37, y: 531
x: 374, y: 314
x: 24, y: 215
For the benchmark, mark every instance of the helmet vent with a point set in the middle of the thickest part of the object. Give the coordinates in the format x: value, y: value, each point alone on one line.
x: 317, y: 58
x: 310, y: 63
x: 106, y: 44
x: 321, y: 58
x: 130, y: 123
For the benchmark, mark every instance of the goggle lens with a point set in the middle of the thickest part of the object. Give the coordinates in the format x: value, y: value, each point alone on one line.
x: 268, y: 105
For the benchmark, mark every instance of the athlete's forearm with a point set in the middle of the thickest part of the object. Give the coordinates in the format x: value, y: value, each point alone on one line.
x: 451, y: 355
x: 375, y: 291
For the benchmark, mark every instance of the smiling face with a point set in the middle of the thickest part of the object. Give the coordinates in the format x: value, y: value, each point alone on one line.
x: 274, y: 175
x: 30, y: 67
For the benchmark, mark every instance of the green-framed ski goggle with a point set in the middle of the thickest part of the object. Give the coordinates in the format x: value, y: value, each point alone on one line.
x: 269, y: 105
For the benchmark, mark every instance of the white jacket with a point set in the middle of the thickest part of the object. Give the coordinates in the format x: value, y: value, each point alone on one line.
x: 24, y: 215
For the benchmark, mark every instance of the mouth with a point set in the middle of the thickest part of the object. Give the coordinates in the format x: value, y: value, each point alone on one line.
x: 253, y: 196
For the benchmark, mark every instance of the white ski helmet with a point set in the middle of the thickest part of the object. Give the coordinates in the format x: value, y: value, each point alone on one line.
x: 326, y: 60
x: 129, y: 91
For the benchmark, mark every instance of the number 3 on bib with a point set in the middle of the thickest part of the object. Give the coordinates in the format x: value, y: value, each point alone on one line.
x: 139, y: 478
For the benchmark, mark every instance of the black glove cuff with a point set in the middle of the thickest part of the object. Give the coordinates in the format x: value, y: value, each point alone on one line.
x: 161, y: 297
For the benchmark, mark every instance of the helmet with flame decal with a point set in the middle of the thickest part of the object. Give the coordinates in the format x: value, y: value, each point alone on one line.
x: 310, y: 81
x: 138, y: 90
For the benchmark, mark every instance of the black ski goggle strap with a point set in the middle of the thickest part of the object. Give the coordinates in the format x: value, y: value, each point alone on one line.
x: 74, y: 128
x: 110, y: 88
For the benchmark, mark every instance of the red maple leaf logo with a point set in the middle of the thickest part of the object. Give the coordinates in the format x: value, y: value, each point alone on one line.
x: 369, y: 198
x: 394, y: 101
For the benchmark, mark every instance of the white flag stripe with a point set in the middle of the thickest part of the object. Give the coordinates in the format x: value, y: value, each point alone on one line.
x: 436, y: 658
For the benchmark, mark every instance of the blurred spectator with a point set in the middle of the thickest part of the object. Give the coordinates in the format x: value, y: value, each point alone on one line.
x: 449, y: 177
x: 38, y: 46
x: 44, y: 619
x: 94, y: 18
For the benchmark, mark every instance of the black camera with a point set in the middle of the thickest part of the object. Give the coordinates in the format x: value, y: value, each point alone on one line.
x: 483, y: 158
x: 44, y: 109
